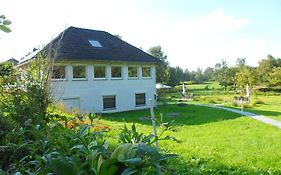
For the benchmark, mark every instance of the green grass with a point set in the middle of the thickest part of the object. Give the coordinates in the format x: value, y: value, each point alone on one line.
x: 212, y: 141
x: 271, y: 107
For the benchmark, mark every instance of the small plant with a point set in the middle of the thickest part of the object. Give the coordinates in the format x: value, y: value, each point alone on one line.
x: 234, y: 104
x: 206, y: 87
x: 203, y: 98
x: 257, y: 101
x: 246, y: 105
x: 212, y: 101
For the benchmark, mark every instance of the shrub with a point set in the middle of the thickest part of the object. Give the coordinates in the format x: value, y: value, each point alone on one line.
x: 203, y: 98
x: 259, y: 101
x: 234, y: 104
x: 212, y: 101
x: 206, y: 87
x: 195, y: 98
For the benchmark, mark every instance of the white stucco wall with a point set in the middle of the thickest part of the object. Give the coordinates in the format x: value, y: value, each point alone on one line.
x: 88, y: 94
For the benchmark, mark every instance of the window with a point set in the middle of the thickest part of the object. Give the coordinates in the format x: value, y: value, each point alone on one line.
x: 140, y: 99
x: 132, y: 72
x: 79, y: 72
x: 146, y: 72
x: 99, y: 72
x: 95, y: 43
x: 116, y: 72
x: 58, y: 72
x: 109, y: 102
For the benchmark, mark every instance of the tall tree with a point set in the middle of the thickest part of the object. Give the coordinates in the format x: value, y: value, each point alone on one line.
x: 225, y: 75
x: 176, y: 75
x: 4, y: 23
x: 240, y: 62
x: 244, y: 76
x: 162, y: 70
x: 7, y: 73
x: 265, y: 67
x: 274, y: 77
x: 186, y: 75
x: 198, y: 77
x: 208, y: 74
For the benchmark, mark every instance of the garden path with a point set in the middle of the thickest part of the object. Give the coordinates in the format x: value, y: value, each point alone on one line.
x: 249, y: 114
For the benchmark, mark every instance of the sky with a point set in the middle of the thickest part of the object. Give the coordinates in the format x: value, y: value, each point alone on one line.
x: 192, y: 33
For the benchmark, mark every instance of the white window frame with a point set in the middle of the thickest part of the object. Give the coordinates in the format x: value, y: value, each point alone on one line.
x: 95, y: 43
x: 133, y: 78
x: 112, y: 108
x: 65, y: 73
x: 149, y: 72
x: 140, y: 105
x: 116, y: 78
x: 105, y: 73
x: 79, y: 79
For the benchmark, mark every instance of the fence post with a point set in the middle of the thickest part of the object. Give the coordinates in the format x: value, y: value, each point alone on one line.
x: 153, y: 122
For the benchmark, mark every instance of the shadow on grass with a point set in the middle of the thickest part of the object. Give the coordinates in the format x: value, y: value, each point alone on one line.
x: 264, y: 112
x: 181, y: 114
x: 201, y: 166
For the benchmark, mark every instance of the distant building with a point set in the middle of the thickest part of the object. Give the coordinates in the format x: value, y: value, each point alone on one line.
x: 95, y: 71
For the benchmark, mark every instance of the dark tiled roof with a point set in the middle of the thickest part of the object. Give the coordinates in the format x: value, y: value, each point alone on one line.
x: 14, y: 61
x: 73, y: 44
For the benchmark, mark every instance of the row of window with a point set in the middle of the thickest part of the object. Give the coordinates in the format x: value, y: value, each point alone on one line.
x: 99, y: 72
x: 109, y: 102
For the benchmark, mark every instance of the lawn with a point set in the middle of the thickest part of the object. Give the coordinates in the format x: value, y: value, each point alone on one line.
x: 212, y: 141
x: 271, y: 107
x: 265, y: 104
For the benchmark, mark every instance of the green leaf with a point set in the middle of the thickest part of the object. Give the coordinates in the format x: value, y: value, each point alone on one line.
x: 128, y: 171
x: 112, y: 170
x: 83, y: 130
x: 167, y: 156
x: 92, y: 144
x: 5, y: 28
x: 82, y: 148
x: 134, y: 128
x: 134, y: 161
x: 62, y: 166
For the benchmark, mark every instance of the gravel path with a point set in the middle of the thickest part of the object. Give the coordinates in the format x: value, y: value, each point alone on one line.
x: 249, y: 114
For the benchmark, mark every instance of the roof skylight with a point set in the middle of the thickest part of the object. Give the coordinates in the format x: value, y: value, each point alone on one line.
x: 95, y: 43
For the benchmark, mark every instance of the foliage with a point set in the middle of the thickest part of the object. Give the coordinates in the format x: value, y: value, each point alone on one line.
x: 245, y: 76
x: 241, y: 62
x: 7, y: 73
x: 57, y: 149
x: 208, y: 74
x: 28, y: 96
x: 265, y: 67
x: 274, y: 77
x: 225, y: 76
x: 176, y: 75
x: 162, y: 70
x: 132, y: 136
x: 4, y: 23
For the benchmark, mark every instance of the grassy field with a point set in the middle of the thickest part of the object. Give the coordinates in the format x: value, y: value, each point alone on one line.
x: 212, y: 141
x: 265, y: 104
x: 271, y: 107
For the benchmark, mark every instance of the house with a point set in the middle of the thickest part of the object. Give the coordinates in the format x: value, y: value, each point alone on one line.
x: 13, y: 61
x: 95, y: 71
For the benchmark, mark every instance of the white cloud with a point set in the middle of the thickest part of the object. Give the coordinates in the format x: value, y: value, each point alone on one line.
x: 218, y: 21
x: 199, y: 43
